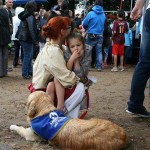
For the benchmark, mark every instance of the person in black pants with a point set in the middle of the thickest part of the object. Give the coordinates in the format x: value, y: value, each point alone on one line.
x: 4, y: 40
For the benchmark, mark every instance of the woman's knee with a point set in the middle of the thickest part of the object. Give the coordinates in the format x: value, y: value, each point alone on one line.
x: 56, y: 82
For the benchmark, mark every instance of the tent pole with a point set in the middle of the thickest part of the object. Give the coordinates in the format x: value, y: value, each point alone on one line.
x: 120, y: 4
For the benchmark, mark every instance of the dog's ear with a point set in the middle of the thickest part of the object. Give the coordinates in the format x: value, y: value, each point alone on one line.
x: 32, y: 109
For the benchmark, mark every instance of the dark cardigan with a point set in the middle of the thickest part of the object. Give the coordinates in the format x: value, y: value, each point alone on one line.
x: 4, y: 27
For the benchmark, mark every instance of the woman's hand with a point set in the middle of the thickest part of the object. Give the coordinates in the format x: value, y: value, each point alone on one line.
x: 73, y: 59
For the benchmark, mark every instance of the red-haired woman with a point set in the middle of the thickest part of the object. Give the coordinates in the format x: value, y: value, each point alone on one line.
x: 50, y: 64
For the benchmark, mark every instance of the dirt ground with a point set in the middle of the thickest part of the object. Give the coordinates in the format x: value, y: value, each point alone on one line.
x: 108, y: 98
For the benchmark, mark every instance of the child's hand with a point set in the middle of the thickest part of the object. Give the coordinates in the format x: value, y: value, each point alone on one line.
x: 75, y: 55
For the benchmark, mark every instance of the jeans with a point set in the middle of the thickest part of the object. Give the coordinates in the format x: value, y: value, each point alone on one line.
x: 27, y: 58
x: 105, y: 49
x: 17, y: 50
x: 97, y: 43
x: 142, y: 70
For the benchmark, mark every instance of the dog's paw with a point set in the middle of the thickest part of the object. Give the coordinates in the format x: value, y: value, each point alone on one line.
x: 13, y: 127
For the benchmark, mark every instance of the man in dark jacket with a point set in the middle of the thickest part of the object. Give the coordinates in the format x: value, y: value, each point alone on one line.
x: 8, y: 6
x: 4, y: 40
x: 27, y: 37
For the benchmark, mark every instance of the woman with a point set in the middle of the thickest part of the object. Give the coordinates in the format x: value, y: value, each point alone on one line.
x: 27, y: 36
x: 50, y: 63
x: 4, y: 40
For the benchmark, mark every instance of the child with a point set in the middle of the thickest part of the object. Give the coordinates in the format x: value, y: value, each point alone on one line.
x: 128, y: 46
x: 119, y: 28
x: 77, y: 56
x: 78, y: 60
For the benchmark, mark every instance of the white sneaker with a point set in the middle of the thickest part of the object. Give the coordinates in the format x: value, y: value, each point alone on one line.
x: 121, y: 68
x: 114, y: 69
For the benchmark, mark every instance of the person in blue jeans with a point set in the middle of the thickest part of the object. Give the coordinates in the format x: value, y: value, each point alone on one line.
x: 27, y: 35
x: 94, y: 24
x: 142, y: 70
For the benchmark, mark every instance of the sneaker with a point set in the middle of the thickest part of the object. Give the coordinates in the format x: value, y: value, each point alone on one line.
x: 26, y: 77
x: 143, y: 113
x: 114, y: 69
x: 121, y: 68
x: 30, y: 74
x: 9, y: 69
x: 99, y: 70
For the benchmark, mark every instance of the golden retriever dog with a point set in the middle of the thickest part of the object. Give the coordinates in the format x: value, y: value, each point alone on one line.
x: 75, y: 134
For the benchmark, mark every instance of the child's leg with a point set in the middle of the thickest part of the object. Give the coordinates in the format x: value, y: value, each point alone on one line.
x: 105, y: 61
x: 115, y: 60
x: 105, y: 55
x: 60, y: 92
x: 121, y: 48
x: 121, y: 61
x: 50, y: 90
x: 112, y: 59
x: 121, y: 68
x: 115, y: 54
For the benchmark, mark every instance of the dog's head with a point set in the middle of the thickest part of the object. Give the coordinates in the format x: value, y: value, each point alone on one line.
x: 38, y: 104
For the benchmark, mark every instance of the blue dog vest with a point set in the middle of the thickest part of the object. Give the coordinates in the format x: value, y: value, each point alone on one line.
x: 49, y: 125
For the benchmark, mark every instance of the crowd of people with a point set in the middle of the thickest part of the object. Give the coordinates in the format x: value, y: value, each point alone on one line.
x: 49, y: 36
x: 97, y: 33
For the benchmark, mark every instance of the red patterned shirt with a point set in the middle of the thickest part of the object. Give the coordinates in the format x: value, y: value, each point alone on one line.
x: 119, y: 28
